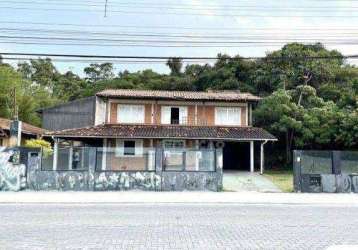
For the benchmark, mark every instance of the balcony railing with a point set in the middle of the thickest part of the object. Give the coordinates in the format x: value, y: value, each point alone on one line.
x: 189, y: 121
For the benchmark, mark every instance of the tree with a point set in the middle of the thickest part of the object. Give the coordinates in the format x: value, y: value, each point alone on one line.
x: 175, y: 64
x: 96, y: 72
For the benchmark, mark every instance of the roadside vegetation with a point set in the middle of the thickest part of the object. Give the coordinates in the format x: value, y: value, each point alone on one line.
x: 281, y: 178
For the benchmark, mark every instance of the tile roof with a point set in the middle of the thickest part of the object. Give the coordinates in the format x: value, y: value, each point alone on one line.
x: 179, y: 95
x: 166, y: 131
x: 26, y: 128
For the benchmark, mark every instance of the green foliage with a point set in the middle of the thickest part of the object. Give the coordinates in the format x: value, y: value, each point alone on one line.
x: 39, y: 143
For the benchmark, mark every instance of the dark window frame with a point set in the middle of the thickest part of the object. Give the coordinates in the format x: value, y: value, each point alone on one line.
x: 129, y: 150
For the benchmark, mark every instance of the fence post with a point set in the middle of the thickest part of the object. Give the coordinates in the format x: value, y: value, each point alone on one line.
x: 297, y: 157
x: 92, y: 159
x: 336, y: 162
x: 219, y: 168
x: 159, y: 165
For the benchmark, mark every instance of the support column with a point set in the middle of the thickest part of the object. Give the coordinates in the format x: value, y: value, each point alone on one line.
x: 262, y: 157
x: 70, y: 158
x: 55, y: 154
x: 252, y: 169
x: 104, y: 154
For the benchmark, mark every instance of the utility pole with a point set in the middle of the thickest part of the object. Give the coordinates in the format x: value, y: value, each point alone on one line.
x: 15, y: 110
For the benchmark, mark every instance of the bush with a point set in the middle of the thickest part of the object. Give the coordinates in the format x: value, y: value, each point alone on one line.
x: 39, y: 143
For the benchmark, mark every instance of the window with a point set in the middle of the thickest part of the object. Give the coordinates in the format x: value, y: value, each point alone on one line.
x: 126, y: 155
x: 228, y: 116
x: 174, y: 115
x: 129, y: 148
x: 130, y: 114
x: 174, y: 144
x: 174, y: 155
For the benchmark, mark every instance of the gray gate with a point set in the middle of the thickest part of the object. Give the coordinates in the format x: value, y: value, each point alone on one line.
x: 325, y: 171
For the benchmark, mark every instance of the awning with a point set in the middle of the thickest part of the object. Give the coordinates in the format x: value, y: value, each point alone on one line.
x: 166, y: 131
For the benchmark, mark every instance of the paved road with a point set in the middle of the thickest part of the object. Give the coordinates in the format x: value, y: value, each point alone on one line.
x: 176, y: 226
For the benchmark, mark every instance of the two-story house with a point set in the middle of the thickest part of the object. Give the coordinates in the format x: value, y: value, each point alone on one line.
x: 128, y: 127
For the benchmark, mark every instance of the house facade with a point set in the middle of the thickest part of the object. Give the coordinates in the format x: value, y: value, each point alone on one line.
x: 186, y: 138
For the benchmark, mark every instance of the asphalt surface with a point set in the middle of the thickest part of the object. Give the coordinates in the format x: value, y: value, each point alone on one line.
x: 176, y: 226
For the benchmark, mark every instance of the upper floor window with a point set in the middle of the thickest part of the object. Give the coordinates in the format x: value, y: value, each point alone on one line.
x: 227, y: 116
x: 174, y: 115
x: 130, y: 113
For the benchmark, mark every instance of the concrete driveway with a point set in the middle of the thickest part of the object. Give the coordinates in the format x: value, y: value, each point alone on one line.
x: 240, y: 181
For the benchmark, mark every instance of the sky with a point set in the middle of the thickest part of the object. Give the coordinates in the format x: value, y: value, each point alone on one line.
x: 334, y: 22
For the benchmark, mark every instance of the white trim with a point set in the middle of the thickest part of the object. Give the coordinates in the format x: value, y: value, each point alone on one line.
x: 55, y: 154
x: 247, y: 114
x: 104, y: 154
x: 19, y: 133
x: 252, y: 169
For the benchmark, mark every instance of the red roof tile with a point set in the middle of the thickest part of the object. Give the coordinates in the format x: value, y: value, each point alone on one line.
x: 26, y: 128
x: 167, y: 131
x: 179, y: 95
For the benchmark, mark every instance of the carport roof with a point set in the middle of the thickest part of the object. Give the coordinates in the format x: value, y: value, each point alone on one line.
x: 166, y: 131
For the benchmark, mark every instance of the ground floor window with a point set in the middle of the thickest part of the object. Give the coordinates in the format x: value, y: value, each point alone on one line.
x: 176, y: 157
x: 126, y: 155
x: 129, y: 148
x: 174, y: 144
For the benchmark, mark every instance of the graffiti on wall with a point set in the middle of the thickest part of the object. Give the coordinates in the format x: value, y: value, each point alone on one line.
x: 12, y: 173
x: 127, y: 180
x: 181, y: 181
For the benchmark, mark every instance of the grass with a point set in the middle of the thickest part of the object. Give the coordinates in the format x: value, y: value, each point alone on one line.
x: 281, y: 178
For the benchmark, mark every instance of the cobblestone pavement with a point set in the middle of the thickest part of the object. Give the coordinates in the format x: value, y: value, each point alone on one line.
x: 176, y: 226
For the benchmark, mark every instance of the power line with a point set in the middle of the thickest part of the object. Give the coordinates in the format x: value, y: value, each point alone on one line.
x: 174, y: 27
x: 178, y: 14
x: 170, y: 35
x: 117, y: 61
x: 226, y: 8
x: 183, y: 6
x: 169, y: 57
x: 146, y: 45
x: 186, y: 42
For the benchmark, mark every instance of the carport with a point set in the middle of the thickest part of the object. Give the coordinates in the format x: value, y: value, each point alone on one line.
x: 239, y: 155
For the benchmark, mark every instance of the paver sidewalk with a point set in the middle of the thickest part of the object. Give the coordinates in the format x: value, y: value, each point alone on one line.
x: 178, y: 197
